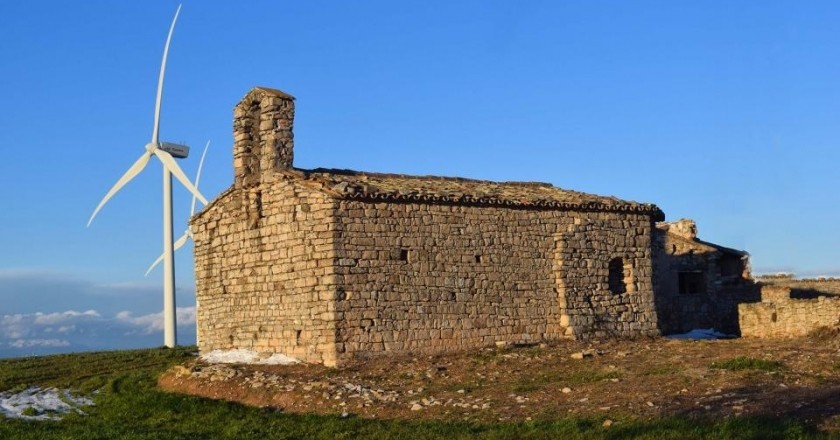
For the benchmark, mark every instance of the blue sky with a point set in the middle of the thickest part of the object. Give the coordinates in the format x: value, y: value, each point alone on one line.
x: 725, y: 112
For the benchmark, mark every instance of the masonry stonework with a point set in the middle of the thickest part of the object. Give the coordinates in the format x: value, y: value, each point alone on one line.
x: 434, y: 278
x: 264, y: 272
x: 780, y: 315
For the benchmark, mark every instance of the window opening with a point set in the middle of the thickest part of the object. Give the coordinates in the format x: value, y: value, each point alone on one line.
x: 616, y: 276
x: 691, y: 283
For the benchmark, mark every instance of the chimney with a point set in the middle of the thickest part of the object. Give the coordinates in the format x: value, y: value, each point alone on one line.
x: 684, y: 227
x: 262, y: 135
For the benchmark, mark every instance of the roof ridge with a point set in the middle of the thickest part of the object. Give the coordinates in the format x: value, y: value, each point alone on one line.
x: 349, y: 172
x: 383, y: 187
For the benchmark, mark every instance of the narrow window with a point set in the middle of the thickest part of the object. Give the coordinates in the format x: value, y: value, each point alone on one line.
x: 616, y: 277
x: 403, y: 254
x: 691, y: 283
x: 259, y: 204
x: 478, y: 258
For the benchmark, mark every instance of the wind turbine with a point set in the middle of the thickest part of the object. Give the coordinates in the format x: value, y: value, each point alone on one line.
x: 164, y: 152
x: 188, y: 233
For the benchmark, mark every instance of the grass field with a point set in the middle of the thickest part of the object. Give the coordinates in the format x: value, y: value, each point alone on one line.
x: 129, y: 405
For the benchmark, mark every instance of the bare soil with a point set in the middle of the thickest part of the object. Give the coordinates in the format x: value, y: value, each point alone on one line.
x: 615, y: 380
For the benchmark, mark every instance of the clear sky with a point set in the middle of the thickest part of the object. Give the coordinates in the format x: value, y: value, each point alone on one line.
x: 724, y: 112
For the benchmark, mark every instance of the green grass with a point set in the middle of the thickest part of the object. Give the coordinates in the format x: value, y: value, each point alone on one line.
x: 662, y: 370
x: 747, y: 363
x: 129, y: 406
x: 85, y: 372
x: 560, y: 377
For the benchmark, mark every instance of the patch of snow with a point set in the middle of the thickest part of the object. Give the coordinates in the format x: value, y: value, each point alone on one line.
x: 700, y: 333
x: 35, y: 403
x: 243, y: 356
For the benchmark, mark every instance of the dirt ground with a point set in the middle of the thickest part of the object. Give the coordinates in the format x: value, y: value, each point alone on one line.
x: 641, y: 379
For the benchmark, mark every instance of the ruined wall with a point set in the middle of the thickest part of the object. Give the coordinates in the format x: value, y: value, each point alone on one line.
x: 264, y: 271
x: 427, y: 278
x: 779, y: 315
x: 717, y: 305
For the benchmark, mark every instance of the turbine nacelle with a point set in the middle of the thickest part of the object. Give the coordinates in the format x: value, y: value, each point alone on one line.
x: 179, y: 151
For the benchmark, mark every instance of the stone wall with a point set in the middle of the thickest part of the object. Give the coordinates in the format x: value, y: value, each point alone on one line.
x: 779, y: 315
x: 264, y: 271
x: 430, y: 278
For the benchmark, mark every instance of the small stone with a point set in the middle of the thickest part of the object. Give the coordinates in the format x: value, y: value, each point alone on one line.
x: 566, y: 390
x: 181, y: 371
x: 649, y: 403
x: 461, y: 391
x: 416, y: 407
x: 583, y: 354
x: 607, y: 423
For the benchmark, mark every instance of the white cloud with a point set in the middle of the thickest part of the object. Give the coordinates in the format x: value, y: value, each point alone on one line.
x: 61, y: 317
x: 40, y: 332
x: 28, y: 343
x: 13, y: 326
x: 66, y: 329
x: 153, y: 322
x: 63, y: 300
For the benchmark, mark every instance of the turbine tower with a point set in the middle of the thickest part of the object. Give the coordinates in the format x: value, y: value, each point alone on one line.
x: 164, y: 152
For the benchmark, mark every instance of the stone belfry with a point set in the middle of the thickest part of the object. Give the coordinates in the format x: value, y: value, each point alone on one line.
x: 263, y: 140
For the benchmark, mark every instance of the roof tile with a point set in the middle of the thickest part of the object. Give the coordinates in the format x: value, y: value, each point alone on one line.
x: 349, y: 184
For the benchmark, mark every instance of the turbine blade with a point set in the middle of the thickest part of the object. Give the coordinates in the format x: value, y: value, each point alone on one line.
x: 159, y: 259
x: 173, y: 168
x: 156, y: 129
x: 198, y: 176
x: 132, y: 171
x: 181, y: 241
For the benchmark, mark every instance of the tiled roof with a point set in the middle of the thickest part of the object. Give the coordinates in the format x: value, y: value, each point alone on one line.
x: 348, y: 184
